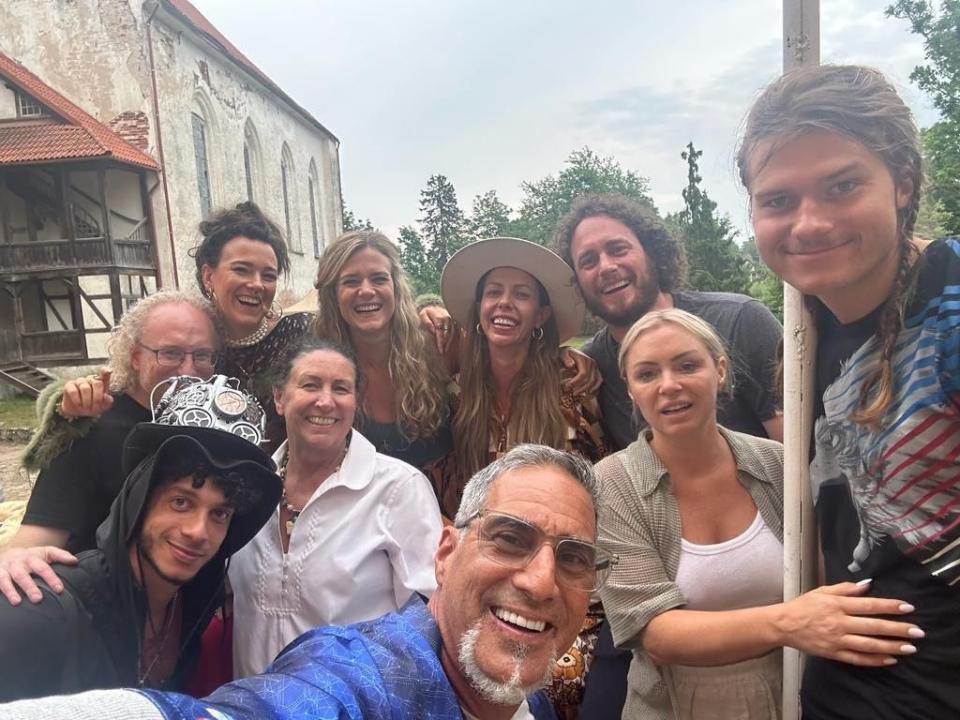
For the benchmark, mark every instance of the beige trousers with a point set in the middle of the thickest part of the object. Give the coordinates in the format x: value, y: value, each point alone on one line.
x: 748, y: 690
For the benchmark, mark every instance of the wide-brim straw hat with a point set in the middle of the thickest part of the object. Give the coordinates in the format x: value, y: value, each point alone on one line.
x: 463, y: 271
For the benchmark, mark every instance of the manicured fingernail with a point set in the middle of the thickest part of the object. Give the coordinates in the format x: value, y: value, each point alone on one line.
x: 916, y: 632
x: 865, y: 581
x: 906, y: 607
x: 890, y: 661
x: 908, y: 649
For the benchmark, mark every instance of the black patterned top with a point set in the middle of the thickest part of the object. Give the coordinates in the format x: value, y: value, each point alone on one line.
x: 250, y: 366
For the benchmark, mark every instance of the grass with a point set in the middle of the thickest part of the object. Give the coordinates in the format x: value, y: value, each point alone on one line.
x: 17, y: 413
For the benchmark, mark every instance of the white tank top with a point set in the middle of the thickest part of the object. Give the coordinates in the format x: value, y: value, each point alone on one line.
x: 745, y: 571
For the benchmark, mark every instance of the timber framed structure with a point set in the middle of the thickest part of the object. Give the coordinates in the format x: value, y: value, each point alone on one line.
x: 77, y: 238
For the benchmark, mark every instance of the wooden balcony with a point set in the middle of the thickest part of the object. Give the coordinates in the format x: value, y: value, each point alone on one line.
x: 23, y: 260
x: 50, y: 346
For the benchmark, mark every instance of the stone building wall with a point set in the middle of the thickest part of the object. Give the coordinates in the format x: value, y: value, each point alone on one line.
x: 97, y: 53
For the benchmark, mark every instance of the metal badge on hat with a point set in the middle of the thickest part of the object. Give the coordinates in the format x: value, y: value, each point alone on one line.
x: 215, y: 403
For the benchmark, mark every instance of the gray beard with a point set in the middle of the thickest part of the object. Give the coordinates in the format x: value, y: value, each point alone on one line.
x: 511, y: 692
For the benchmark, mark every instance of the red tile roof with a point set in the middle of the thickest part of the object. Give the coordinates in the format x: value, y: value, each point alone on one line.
x: 73, y: 134
x: 195, y: 19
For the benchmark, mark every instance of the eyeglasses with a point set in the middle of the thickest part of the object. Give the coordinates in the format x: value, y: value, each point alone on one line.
x: 174, y: 357
x: 513, y: 542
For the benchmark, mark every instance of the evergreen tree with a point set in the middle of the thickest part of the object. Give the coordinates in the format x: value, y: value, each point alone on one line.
x: 715, y: 262
x: 442, y: 224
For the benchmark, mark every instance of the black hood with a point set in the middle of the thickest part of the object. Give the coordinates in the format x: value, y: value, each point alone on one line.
x: 151, y: 445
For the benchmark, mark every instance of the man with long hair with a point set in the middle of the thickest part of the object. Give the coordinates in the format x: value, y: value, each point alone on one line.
x: 831, y: 159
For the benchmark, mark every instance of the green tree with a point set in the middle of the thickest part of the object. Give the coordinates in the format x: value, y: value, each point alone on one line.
x: 763, y: 284
x: 490, y: 216
x: 715, y: 262
x: 416, y: 262
x: 352, y: 222
x: 442, y: 225
x: 941, y: 153
x: 545, y: 201
x: 939, y: 26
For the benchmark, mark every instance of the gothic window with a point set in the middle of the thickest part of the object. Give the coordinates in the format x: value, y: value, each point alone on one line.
x: 203, y: 171
x: 311, y: 188
x: 286, y: 181
x: 248, y: 172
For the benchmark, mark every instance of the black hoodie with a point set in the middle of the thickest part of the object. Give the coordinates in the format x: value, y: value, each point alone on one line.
x: 89, y: 636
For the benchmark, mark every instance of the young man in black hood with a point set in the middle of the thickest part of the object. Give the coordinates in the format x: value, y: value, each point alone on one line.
x: 133, y: 611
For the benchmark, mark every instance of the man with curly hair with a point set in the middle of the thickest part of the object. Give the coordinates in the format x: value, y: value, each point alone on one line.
x: 168, y: 333
x: 627, y: 264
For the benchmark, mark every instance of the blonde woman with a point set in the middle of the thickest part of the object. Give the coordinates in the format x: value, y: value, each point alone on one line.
x: 365, y: 304
x: 695, y: 513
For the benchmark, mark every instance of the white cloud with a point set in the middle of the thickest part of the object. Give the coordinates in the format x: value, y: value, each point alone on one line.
x: 497, y: 92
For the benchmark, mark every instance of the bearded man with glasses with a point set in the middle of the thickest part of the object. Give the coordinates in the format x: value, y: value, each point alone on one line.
x: 163, y: 335
x: 514, y: 573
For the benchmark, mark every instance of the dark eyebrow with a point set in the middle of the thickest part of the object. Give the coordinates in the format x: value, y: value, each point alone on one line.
x: 853, y: 165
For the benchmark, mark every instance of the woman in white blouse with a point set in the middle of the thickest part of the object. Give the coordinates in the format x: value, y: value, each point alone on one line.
x: 695, y: 513
x: 355, y: 532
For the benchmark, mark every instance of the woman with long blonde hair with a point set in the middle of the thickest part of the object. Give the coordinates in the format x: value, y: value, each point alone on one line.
x: 366, y: 304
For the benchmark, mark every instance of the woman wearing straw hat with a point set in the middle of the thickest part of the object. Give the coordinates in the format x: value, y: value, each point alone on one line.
x: 517, y: 302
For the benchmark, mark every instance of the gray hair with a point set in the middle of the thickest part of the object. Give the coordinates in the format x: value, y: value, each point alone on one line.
x: 127, y: 333
x: 477, y: 489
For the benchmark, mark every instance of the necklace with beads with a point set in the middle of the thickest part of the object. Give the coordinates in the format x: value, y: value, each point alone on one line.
x: 285, y: 503
x: 253, y: 338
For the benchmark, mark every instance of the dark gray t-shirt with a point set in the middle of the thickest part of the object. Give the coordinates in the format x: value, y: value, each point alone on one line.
x: 751, y: 334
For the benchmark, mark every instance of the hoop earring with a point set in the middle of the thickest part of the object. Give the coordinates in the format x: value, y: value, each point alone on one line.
x: 479, y: 330
x: 210, y: 294
x: 537, y: 334
x: 271, y: 313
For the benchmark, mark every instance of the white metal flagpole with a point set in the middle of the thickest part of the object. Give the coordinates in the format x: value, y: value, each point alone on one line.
x: 801, y: 46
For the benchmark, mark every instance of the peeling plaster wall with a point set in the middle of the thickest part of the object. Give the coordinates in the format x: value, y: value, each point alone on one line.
x: 95, y: 52
x: 193, y: 78
x: 91, y: 51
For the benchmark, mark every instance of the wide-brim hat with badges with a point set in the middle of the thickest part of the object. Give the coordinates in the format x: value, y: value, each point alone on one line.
x: 463, y: 271
x: 226, y: 425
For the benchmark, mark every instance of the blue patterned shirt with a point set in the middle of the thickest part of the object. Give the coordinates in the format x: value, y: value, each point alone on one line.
x: 376, y: 670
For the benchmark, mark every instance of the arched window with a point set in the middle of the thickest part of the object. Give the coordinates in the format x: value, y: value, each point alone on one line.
x: 313, y: 188
x: 204, y: 133
x: 203, y: 166
x: 287, y: 175
x: 252, y: 163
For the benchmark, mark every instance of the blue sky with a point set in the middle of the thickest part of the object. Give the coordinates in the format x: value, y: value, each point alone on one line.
x: 494, y: 92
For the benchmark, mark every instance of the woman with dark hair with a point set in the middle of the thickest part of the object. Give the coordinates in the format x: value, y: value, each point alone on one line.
x: 239, y: 262
x: 517, y: 303
x: 365, y: 303
x: 355, y: 532
x: 832, y: 161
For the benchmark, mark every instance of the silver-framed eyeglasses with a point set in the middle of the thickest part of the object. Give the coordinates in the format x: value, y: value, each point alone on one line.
x: 513, y: 542
x: 174, y: 356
